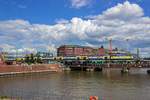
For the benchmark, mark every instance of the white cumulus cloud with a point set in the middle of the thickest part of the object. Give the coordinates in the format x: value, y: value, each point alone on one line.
x: 80, y: 3
x: 124, y: 11
x: 122, y: 22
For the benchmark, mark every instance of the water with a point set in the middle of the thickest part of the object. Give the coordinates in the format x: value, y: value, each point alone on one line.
x: 107, y: 85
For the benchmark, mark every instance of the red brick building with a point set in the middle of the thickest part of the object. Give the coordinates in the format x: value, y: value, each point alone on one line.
x: 101, y: 51
x: 76, y: 50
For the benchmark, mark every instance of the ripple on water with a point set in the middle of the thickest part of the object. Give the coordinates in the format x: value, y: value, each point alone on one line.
x: 109, y: 85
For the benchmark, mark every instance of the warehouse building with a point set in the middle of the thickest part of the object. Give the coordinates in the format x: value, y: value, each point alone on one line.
x: 76, y: 50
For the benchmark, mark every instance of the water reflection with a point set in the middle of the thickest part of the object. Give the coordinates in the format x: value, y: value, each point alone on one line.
x: 108, y: 85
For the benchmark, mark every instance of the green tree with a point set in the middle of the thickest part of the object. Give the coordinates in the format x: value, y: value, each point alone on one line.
x: 32, y: 60
x: 27, y: 59
x: 39, y: 60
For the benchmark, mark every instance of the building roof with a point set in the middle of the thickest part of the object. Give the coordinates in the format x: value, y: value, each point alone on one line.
x: 75, y: 46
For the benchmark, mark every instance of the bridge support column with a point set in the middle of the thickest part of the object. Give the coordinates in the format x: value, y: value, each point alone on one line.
x: 125, y: 69
x: 98, y: 69
x: 91, y: 69
x: 82, y: 68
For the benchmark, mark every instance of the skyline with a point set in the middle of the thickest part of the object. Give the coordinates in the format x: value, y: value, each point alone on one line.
x: 76, y: 22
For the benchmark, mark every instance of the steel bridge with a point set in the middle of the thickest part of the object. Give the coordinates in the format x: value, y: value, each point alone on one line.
x: 97, y: 63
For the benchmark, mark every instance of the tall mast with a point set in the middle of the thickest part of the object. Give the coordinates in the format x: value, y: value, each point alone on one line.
x: 110, y: 46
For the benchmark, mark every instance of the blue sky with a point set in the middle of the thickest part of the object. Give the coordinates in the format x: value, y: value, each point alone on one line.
x: 48, y: 11
x: 46, y: 24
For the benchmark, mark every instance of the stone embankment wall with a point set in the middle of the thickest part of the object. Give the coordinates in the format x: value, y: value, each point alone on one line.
x: 16, y: 69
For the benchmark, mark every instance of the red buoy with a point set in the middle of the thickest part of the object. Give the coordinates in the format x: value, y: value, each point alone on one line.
x: 93, y: 97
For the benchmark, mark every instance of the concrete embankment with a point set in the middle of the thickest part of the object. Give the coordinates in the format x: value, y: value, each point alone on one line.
x: 25, y: 69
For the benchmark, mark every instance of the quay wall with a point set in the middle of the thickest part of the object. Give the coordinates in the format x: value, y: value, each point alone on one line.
x: 23, y: 69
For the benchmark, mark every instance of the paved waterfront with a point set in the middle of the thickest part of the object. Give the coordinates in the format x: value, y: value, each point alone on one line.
x: 109, y: 85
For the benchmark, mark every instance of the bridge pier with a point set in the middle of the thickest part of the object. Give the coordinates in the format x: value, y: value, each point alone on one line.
x: 98, y: 69
x: 90, y: 69
x: 125, y: 69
